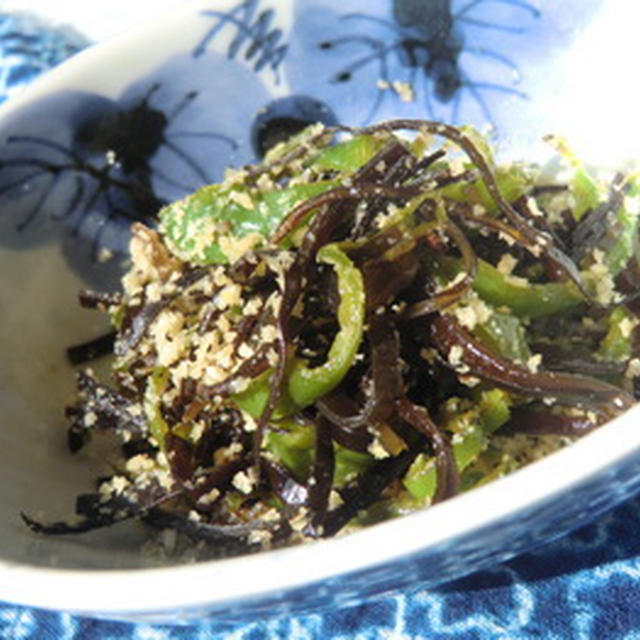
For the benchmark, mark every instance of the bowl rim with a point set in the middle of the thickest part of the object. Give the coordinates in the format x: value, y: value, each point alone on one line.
x: 143, y: 590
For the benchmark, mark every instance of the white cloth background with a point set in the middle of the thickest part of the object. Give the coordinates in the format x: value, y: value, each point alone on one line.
x: 96, y: 19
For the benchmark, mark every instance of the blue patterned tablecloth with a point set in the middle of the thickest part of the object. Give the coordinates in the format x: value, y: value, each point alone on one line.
x: 584, y: 586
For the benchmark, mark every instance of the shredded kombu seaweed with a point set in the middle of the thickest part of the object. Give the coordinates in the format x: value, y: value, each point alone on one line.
x: 398, y: 320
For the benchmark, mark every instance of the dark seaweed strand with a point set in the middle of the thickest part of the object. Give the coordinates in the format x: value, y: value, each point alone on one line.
x: 374, y: 247
x: 446, y: 333
x: 448, y: 480
x: 366, y: 489
x: 392, y: 165
x: 544, y: 422
x: 63, y: 527
x: 97, y: 513
x: 355, y: 439
x: 251, y: 368
x: 90, y: 299
x: 389, y: 399
x: 320, y: 229
x: 427, y: 161
x: 540, y: 222
x: 140, y: 323
x: 463, y: 212
x: 541, y: 189
x: 475, y: 155
x: 117, y: 409
x: 216, y: 478
x: 449, y: 296
x: 209, y: 318
x: 142, y: 320
x: 385, y: 366
x: 92, y: 349
x: 180, y: 456
x: 310, y: 146
x: 356, y: 192
x: 321, y: 477
x: 386, y: 379
x: 285, y: 486
x: 245, y: 328
x: 597, y: 221
x: 143, y: 503
x: 347, y: 426
x: 224, y: 538
x: 384, y: 279
x: 276, y: 381
x: 561, y: 360
x: 388, y: 166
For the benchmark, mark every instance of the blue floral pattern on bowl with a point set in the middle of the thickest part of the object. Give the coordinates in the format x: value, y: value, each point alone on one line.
x: 94, y: 164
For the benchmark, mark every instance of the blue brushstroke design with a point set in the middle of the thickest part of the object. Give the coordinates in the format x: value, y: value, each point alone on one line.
x: 29, y: 46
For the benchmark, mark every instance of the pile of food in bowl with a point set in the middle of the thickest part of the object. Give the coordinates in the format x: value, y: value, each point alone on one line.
x: 366, y: 323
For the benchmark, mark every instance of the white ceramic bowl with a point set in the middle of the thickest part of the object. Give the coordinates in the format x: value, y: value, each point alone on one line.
x: 212, y: 69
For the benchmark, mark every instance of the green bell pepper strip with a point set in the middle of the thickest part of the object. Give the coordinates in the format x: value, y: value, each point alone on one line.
x: 532, y: 300
x: 305, y: 384
x: 313, y: 136
x: 616, y: 344
x: 156, y: 385
x: 158, y: 427
x: 582, y: 186
x: 349, y: 464
x: 293, y: 444
x: 626, y: 232
x: 490, y: 465
x: 194, y: 225
x: 116, y: 316
x: 504, y: 334
x: 585, y: 192
x: 529, y: 301
x: 512, y: 182
x: 254, y: 398
x: 471, y: 428
x: 347, y: 156
x: 535, y: 300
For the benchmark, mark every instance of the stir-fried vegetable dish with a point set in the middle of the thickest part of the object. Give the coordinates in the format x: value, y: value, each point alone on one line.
x: 365, y: 323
